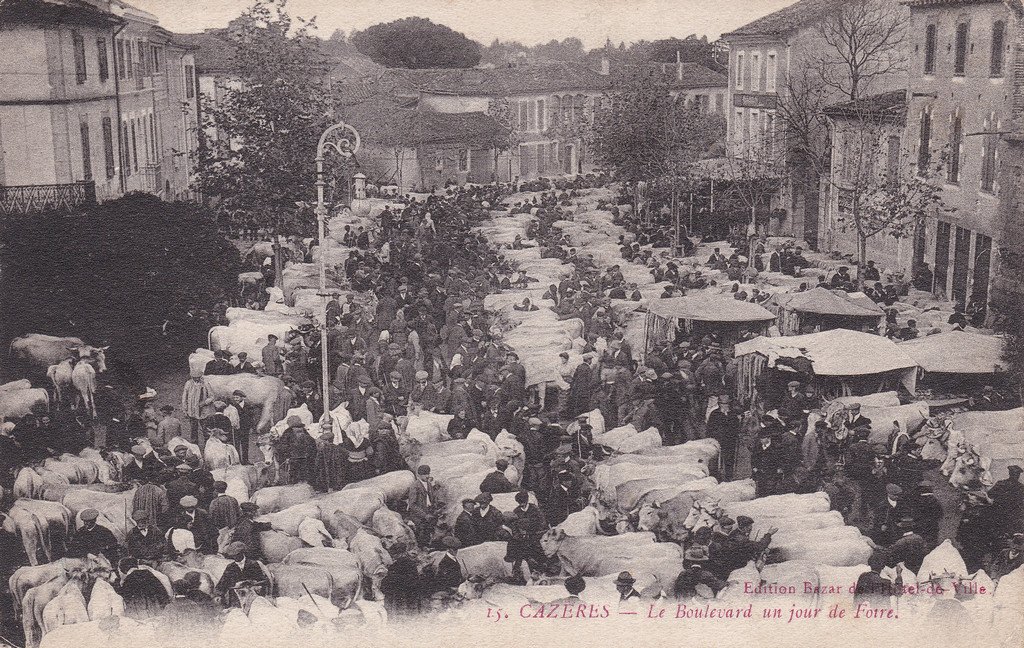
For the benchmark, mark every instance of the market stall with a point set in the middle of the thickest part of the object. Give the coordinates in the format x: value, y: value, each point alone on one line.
x: 957, y: 362
x: 839, y: 362
x: 820, y: 309
x: 702, y: 313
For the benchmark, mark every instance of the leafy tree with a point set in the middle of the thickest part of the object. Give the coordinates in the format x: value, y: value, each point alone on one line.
x: 138, y: 273
x: 502, y: 111
x: 417, y: 43
x: 268, y: 122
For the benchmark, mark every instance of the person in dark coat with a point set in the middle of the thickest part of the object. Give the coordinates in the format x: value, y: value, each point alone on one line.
x: 145, y: 466
x: 910, y: 549
x: 448, y: 573
x: 143, y: 593
x: 191, y: 609
x: 247, y: 531
x: 526, y: 524
x: 927, y: 512
x: 736, y: 549
x: 145, y: 542
x: 92, y: 539
x: 496, y: 482
x: 299, y: 450
x: 248, y: 416
x: 487, y: 520
x: 329, y: 465
x: 223, y: 508
x: 724, y: 426
x: 564, y: 499
x: 581, y: 388
x: 767, y: 461
x: 875, y: 590
x: 181, y: 486
x: 465, y: 525
x: 219, y: 366
x: 241, y: 571
x: 387, y: 456
x: 892, y: 509
x: 1007, y: 496
x: 197, y: 521
x: 402, y: 588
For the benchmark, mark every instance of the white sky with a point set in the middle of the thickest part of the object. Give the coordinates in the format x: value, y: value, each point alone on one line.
x: 528, y: 21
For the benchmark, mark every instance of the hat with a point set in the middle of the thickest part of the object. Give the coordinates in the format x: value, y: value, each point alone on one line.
x: 501, y: 464
x: 451, y: 542
x: 190, y: 582
x: 423, y: 470
x: 294, y: 421
x: 793, y: 383
x: 235, y: 549
x: 239, y: 393
x: 696, y: 553
x: 575, y: 584
x: 140, y: 515
x: 744, y: 520
x: 853, y: 407
x: 422, y: 375
x: 484, y: 498
x: 90, y: 514
x: 1014, y: 470
x: 535, y: 421
x: 138, y: 450
x: 167, y: 409
x: 249, y: 507
x: 522, y: 497
x: 220, y: 486
x: 183, y: 467
x: 651, y: 374
x: 724, y: 399
x: 468, y: 500
x: 726, y: 521
x: 892, y: 490
x: 397, y: 375
x: 625, y: 578
x: 188, y: 501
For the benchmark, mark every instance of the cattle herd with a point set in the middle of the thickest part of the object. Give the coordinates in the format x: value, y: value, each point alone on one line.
x: 531, y: 465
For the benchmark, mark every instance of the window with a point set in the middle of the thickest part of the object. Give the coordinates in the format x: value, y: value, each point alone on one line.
x: 155, y: 62
x: 755, y: 71
x: 893, y: 160
x: 128, y: 58
x: 104, y: 66
x: 930, y: 38
x: 135, y: 149
x: 739, y: 70
x: 955, y: 141
x: 126, y: 152
x: 541, y: 115
x: 738, y: 126
x: 463, y: 160
x: 79, y: 46
x: 998, y: 46
x: 531, y: 114
x: 152, y: 136
x: 772, y: 72
x: 960, y: 57
x: 108, y: 147
x: 556, y: 108
x: 120, y: 59
x: 988, y: 154
x: 190, y: 88
x: 86, y: 151
x: 718, y: 103
x: 524, y: 116
x: 553, y: 152
x: 769, y: 128
x: 924, y: 153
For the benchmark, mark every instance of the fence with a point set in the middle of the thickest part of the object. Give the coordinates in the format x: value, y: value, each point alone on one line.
x: 33, y: 199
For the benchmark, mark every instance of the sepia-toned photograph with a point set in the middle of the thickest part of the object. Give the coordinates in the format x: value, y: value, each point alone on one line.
x: 523, y: 323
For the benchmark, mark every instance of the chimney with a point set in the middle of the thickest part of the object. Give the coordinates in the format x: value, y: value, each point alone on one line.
x: 605, y: 66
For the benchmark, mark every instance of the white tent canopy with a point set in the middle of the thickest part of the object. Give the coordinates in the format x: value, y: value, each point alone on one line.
x: 957, y: 352
x: 839, y: 352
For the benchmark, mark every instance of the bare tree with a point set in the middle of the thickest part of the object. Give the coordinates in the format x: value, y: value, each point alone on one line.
x: 863, y: 44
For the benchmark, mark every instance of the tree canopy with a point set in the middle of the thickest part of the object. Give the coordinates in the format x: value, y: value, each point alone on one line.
x: 268, y: 123
x: 417, y: 43
x: 137, y: 273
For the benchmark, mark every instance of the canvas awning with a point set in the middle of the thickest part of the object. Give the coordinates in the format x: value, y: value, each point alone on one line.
x: 957, y: 352
x: 839, y: 352
x: 707, y: 308
x: 821, y: 301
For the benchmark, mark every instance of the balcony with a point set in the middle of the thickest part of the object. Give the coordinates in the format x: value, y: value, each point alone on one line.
x: 21, y: 200
x: 151, y: 179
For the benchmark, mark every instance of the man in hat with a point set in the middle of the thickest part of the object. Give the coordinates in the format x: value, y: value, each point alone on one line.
x: 196, y: 520
x: 423, y: 392
x: 497, y: 482
x: 737, y: 548
x: 224, y: 509
x: 487, y: 520
x: 272, y: 357
x: 247, y: 420
x: 448, y: 573
x: 465, y: 523
x: 696, y: 579
x: 144, y: 466
x: 245, y: 365
x: 195, y: 395
x: 183, y: 484
x: 220, y: 365
x: 855, y: 422
x: 564, y: 499
x: 890, y: 511
x: 424, y: 501
x: 624, y: 586
x: 927, y: 512
x: 872, y: 588
x: 168, y: 427
x: 299, y: 451
x: 1007, y: 497
x: 1011, y: 558
x: 909, y: 548
x: 247, y: 530
x: 217, y: 421
x: 357, y: 398
x: 767, y: 462
x: 241, y: 571
x: 145, y: 542
x: 724, y: 426
x: 92, y: 538
x: 841, y: 279
x: 574, y: 585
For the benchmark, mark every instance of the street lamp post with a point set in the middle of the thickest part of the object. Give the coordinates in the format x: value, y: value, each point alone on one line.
x: 343, y: 139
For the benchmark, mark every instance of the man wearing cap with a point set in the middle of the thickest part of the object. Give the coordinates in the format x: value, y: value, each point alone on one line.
x: 299, y: 451
x: 224, y: 509
x: 423, y: 502
x: 195, y: 395
x: 247, y: 530
x: 196, y: 520
x: 423, y: 392
x: 497, y: 482
x: 143, y: 467
x: 145, y: 541
x: 247, y: 419
x: 564, y: 499
x: 842, y: 278
x: 909, y: 548
x: 624, y: 586
x: 724, y: 426
x: 465, y: 524
x: 245, y: 365
x: 1011, y: 558
x: 357, y: 398
x: 767, y: 461
x: 272, y: 357
x: 890, y: 512
x: 92, y: 538
x: 448, y: 573
x: 696, y: 579
x: 241, y: 571
x: 737, y: 549
x: 182, y: 485
x: 395, y: 395
x: 1007, y: 497
x: 220, y: 365
x: 487, y: 520
x: 168, y: 427
x: 217, y: 421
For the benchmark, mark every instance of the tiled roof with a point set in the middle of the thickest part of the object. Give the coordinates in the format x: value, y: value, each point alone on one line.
x: 504, y: 81
x: 215, y: 52
x: 892, y: 104
x: 384, y: 123
x: 788, y: 19
x: 53, y: 11
x: 694, y: 75
x: 928, y: 3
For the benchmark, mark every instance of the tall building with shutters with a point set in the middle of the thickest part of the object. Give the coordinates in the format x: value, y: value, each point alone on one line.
x: 94, y: 103
x: 962, y: 55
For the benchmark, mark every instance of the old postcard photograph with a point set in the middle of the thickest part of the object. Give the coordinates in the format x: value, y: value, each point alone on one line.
x: 511, y: 323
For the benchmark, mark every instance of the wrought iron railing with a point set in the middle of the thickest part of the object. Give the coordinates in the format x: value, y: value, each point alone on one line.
x: 32, y: 199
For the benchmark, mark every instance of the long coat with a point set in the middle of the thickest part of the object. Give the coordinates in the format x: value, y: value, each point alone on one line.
x: 581, y: 390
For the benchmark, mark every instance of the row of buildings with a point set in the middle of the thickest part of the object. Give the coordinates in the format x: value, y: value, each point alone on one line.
x: 951, y: 110
x: 96, y: 100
